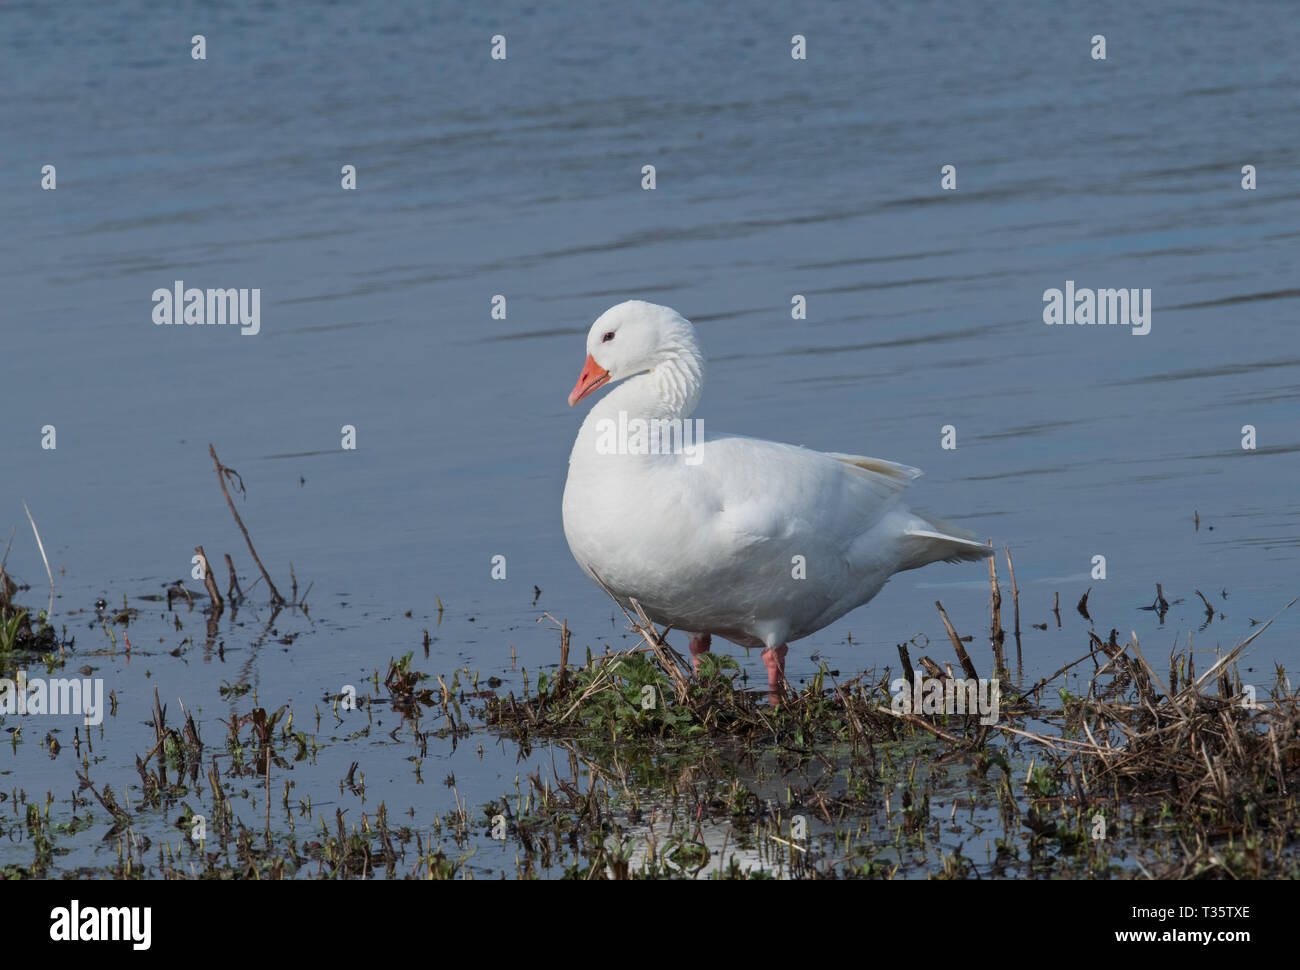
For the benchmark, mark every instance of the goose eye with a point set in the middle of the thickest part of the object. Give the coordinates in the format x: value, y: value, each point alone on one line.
x: 609, y: 335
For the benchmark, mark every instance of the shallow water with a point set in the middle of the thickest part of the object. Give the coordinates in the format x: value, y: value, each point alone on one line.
x: 775, y: 177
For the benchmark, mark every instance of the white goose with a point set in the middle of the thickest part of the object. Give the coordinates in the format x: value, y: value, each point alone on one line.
x: 705, y: 536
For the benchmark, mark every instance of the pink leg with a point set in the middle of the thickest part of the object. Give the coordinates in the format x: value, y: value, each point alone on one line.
x: 699, y: 645
x: 774, y: 661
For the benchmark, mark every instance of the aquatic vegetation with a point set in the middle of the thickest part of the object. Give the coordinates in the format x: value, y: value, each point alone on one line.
x: 632, y: 765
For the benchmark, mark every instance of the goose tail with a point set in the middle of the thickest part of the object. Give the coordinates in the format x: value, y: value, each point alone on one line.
x: 929, y: 539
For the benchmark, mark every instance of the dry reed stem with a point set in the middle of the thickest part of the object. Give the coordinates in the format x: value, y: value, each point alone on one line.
x: 222, y: 473
x: 922, y: 723
x: 966, y: 664
x: 1015, y: 593
x: 996, y: 633
x: 233, y: 590
x: 903, y: 656
x: 214, y: 594
x: 668, y: 658
x: 49, y: 613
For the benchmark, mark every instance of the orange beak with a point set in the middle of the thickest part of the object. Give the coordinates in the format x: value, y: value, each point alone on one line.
x: 592, y: 377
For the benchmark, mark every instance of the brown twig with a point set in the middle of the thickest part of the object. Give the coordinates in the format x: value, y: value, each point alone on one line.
x: 222, y: 474
x: 49, y: 614
x: 922, y: 723
x: 234, y: 589
x: 996, y: 633
x: 1015, y: 594
x: 966, y: 663
x: 214, y: 594
x: 667, y: 657
x: 932, y: 668
x: 908, y: 672
x: 563, y: 627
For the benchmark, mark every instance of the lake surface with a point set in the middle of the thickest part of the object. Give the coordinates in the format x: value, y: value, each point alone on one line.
x: 523, y: 177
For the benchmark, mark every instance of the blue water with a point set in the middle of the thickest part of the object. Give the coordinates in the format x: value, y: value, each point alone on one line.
x: 522, y: 177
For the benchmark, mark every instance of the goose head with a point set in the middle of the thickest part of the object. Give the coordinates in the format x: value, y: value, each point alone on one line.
x: 643, y: 338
